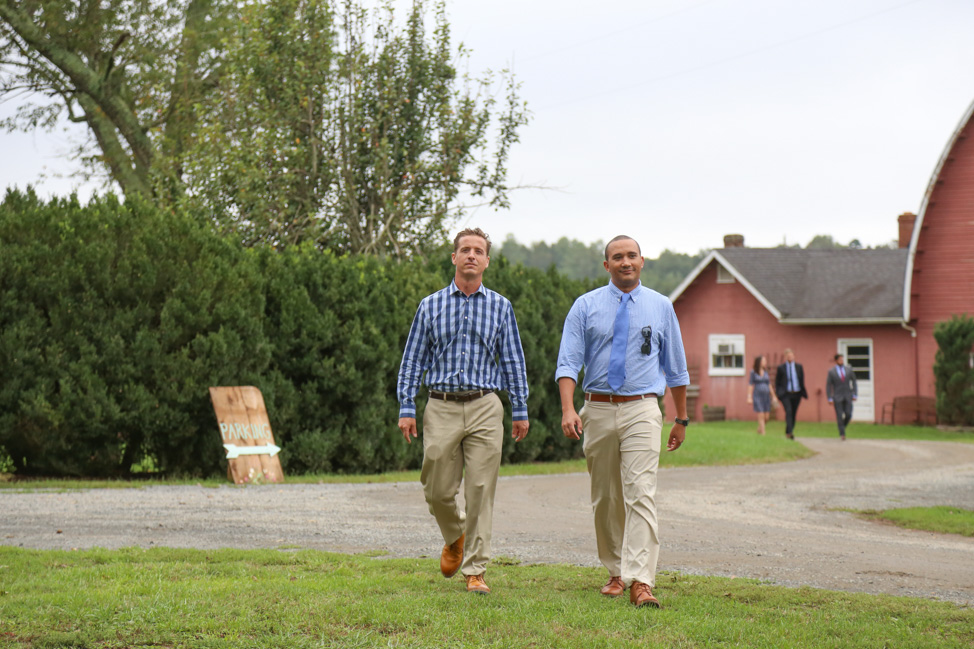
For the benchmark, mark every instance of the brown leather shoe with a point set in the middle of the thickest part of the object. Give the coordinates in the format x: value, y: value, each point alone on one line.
x: 476, y: 584
x: 641, y: 594
x: 614, y: 587
x: 452, y: 557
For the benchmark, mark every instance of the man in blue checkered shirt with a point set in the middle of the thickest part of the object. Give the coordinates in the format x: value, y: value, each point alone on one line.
x: 465, y: 339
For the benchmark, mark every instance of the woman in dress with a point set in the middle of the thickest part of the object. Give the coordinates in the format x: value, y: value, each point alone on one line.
x: 759, y: 392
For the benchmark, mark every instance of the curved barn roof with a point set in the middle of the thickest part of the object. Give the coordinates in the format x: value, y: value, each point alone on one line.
x: 914, y: 239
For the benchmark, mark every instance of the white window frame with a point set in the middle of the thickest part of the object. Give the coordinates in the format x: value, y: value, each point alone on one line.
x: 737, y: 348
x: 724, y: 276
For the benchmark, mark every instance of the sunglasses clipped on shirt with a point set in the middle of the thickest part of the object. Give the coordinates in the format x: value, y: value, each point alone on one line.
x: 647, y: 345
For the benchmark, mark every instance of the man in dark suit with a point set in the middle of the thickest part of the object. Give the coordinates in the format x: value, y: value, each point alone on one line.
x: 841, y: 389
x: 789, y: 386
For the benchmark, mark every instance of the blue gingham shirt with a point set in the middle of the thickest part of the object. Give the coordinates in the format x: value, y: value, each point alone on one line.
x: 587, y: 341
x: 464, y: 343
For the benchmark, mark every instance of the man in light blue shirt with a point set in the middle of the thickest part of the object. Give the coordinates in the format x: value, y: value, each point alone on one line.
x: 627, y: 339
x: 464, y: 338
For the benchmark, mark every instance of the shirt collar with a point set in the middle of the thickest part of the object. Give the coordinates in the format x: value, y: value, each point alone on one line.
x: 617, y: 292
x: 454, y: 289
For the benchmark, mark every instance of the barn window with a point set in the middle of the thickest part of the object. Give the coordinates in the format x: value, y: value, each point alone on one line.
x: 726, y: 355
x: 724, y: 276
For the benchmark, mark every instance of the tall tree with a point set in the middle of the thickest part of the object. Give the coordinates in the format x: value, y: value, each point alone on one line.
x: 130, y: 70
x: 285, y: 121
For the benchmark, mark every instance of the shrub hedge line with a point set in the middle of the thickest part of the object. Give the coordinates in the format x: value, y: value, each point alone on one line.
x: 116, y: 318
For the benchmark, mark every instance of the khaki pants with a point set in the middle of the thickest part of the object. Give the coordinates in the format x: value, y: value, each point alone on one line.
x: 457, y: 438
x: 622, y: 446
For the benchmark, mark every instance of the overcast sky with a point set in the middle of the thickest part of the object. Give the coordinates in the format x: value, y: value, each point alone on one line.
x: 679, y: 121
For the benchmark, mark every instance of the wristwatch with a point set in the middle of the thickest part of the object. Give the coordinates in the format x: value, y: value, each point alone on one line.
x: 682, y: 422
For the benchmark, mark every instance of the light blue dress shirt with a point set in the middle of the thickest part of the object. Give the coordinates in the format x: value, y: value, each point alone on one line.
x: 655, y: 358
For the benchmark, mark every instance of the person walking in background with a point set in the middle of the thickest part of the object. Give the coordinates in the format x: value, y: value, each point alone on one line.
x: 465, y: 340
x: 789, y: 386
x: 841, y: 390
x: 628, y: 340
x: 759, y: 392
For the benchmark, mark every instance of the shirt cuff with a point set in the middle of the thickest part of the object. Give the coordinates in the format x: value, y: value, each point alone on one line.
x: 565, y: 372
x: 407, y: 410
x: 680, y: 379
x: 519, y: 414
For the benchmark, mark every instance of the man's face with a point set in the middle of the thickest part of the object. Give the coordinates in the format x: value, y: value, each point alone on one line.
x: 840, y: 361
x: 470, y: 257
x: 624, y: 263
x: 790, y: 357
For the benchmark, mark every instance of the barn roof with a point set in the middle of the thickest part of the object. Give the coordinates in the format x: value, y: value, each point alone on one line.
x: 816, y: 286
x: 918, y: 225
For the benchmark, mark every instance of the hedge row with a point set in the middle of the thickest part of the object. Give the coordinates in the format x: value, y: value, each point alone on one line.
x: 116, y: 318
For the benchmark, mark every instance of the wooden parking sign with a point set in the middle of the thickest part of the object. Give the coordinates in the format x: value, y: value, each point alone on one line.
x: 246, y: 433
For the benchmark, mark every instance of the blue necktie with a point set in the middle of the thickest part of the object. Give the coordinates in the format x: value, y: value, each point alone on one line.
x: 794, y: 378
x: 620, y: 336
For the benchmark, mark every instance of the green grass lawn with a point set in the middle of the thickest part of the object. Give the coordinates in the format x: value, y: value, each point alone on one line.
x: 944, y: 520
x: 273, y: 598
x: 302, y: 598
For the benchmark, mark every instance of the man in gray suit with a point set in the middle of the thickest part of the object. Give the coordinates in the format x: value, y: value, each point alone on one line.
x: 841, y: 389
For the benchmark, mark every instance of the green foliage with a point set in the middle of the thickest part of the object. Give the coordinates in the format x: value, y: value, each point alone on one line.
x: 337, y: 326
x: 541, y: 300
x: 570, y: 257
x: 116, y: 318
x: 348, y: 130
x: 284, y: 122
x: 953, y: 370
x: 131, y: 71
x: 580, y: 261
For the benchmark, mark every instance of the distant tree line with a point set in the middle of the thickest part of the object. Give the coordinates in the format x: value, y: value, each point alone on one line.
x: 578, y: 260
x: 827, y: 242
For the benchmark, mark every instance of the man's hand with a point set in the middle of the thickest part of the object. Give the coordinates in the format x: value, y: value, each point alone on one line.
x: 408, y: 427
x: 571, y: 424
x: 520, y: 430
x: 677, y: 434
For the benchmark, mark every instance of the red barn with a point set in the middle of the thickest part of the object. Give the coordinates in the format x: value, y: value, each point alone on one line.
x: 940, y: 266
x: 877, y: 307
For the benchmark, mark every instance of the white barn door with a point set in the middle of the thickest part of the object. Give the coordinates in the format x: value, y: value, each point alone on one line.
x: 858, y: 354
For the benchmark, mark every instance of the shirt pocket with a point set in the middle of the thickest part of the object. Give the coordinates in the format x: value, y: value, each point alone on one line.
x: 486, y: 330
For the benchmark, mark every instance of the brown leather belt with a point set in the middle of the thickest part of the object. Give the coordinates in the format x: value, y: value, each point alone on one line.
x: 461, y: 397
x: 616, y: 398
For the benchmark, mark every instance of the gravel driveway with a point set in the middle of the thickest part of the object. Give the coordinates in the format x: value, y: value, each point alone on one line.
x: 776, y: 522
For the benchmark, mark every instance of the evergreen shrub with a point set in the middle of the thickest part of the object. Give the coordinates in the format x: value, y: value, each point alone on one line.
x: 953, y: 370
x: 117, y: 317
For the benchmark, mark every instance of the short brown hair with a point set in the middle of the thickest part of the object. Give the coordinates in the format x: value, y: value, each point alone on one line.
x: 471, y: 232
x: 621, y: 237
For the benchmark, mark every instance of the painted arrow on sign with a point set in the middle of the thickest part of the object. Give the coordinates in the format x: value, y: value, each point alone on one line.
x: 236, y: 451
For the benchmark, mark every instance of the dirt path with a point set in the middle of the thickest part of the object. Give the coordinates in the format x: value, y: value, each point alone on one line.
x: 775, y: 522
